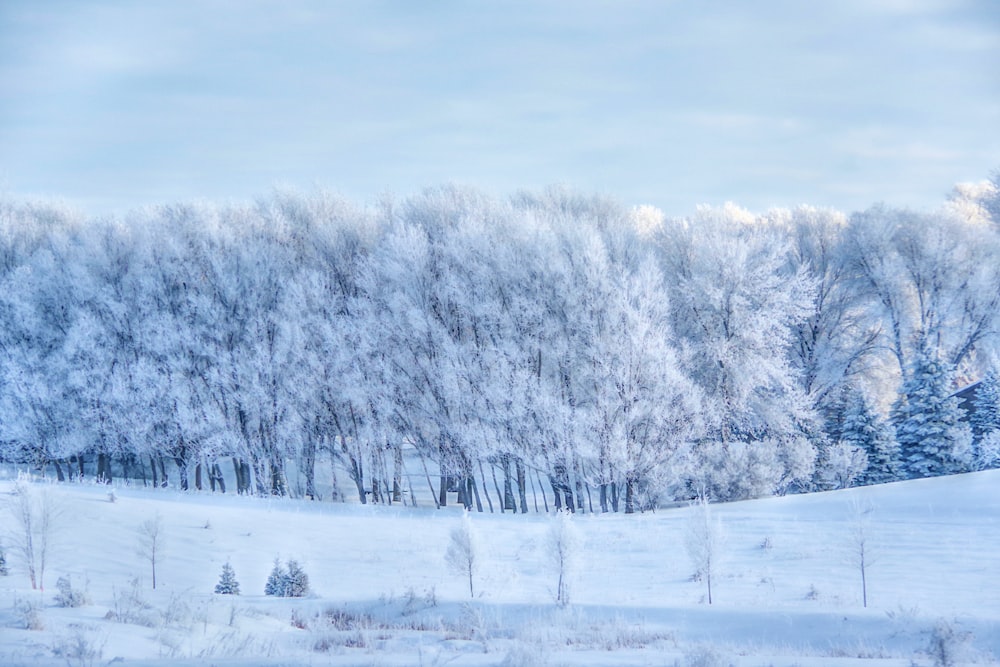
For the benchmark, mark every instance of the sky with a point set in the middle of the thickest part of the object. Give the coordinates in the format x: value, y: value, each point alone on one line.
x: 109, y: 105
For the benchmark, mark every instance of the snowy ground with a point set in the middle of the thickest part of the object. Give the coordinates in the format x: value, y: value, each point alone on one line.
x: 786, y: 591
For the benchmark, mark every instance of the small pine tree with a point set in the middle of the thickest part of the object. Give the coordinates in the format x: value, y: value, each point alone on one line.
x: 227, y: 581
x: 297, y: 581
x: 932, y: 439
x: 865, y: 429
x: 985, y: 417
x: 277, y: 581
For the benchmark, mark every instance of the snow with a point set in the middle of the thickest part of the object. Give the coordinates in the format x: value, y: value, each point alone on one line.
x: 785, y: 591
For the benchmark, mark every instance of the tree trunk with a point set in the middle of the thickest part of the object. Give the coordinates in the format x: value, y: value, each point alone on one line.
x: 242, y: 471
x: 508, y: 487
x: 475, y: 491
x: 443, y: 491
x: 182, y: 471
x: 216, y: 478
x: 103, y: 468
x: 397, y: 474
x: 630, y: 481
x: 59, y: 471
x: 604, y: 497
x: 522, y: 486
x: 307, y: 466
x: 197, y: 476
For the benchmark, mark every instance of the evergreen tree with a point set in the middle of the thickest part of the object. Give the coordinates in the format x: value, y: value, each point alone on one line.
x: 296, y: 581
x: 277, y: 581
x: 985, y: 417
x: 227, y: 582
x: 932, y: 439
x: 863, y: 427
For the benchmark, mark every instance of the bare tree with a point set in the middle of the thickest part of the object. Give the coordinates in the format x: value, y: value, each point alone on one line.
x: 564, y: 547
x: 464, y: 552
x: 151, y: 541
x: 702, y: 538
x: 860, y: 554
x: 35, y: 513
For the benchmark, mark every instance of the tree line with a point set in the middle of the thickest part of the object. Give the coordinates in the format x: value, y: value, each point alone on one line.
x: 617, y: 356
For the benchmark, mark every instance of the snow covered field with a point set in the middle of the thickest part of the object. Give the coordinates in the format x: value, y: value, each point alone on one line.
x: 787, y: 588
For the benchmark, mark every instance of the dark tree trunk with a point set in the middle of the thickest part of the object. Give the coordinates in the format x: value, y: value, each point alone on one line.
x: 630, y: 482
x: 556, y: 496
x: 182, y: 471
x: 197, y: 476
x: 604, y: 497
x: 216, y: 479
x: 614, y: 497
x: 397, y: 474
x: 443, y: 491
x: 308, y: 467
x: 522, y: 486
x: 164, y: 480
x: 59, y: 471
x: 276, y: 471
x: 242, y: 471
x: 103, y: 468
x: 508, y: 486
x: 474, y: 488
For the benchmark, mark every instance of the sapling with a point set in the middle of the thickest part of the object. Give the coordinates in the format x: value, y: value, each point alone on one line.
x: 463, y: 555
x: 35, y: 514
x: 859, y: 543
x: 151, y: 542
x: 702, y: 539
x: 564, y: 547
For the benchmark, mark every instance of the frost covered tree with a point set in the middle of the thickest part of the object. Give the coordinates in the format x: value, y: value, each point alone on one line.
x: 735, y: 308
x: 228, y: 585
x: 932, y: 438
x: 934, y: 280
x: 843, y: 463
x: 464, y: 555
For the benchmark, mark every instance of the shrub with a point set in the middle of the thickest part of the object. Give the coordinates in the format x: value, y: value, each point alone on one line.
x: 69, y: 596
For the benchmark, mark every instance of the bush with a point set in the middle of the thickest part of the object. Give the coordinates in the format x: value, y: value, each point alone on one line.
x: 28, y: 614
x: 69, y: 596
x: 948, y: 646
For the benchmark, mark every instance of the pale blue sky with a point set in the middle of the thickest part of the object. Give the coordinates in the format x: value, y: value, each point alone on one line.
x: 114, y: 104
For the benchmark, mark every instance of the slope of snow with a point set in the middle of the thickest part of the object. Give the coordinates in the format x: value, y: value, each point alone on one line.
x: 786, y: 591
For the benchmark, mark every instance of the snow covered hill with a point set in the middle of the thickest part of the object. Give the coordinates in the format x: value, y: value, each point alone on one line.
x: 787, y: 586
